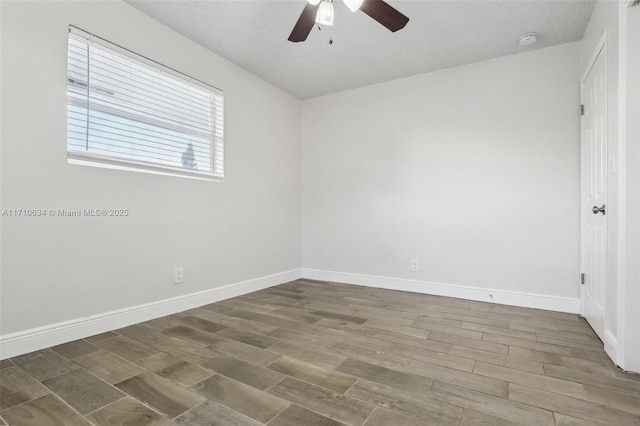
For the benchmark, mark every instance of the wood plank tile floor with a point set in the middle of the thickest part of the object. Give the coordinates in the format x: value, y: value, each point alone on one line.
x: 316, y: 353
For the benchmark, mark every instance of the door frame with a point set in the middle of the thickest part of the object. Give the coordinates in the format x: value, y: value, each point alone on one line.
x: 627, y: 354
x: 600, y: 49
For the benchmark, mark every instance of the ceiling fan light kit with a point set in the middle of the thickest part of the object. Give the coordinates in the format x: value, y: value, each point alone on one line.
x: 353, y: 5
x: 325, y: 13
x: 321, y: 12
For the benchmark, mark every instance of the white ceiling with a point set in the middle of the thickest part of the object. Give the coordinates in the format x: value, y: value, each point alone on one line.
x: 440, y: 34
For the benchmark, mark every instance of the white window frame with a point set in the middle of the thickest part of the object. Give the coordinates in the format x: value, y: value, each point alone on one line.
x: 74, y: 156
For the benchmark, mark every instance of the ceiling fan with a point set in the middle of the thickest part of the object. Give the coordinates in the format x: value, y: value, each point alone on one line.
x: 321, y: 12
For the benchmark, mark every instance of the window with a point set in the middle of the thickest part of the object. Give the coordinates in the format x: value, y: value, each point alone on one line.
x: 126, y: 111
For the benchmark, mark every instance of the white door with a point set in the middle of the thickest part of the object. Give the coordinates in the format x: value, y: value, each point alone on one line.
x: 594, y: 190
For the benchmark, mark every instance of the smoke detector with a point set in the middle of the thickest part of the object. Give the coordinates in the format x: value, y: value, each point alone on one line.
x: 528, y: 39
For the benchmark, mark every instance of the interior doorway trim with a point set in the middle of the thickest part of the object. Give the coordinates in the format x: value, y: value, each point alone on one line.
x: 628, y: 235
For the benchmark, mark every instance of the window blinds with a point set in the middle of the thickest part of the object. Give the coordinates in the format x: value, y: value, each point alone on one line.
x: 126, y: 110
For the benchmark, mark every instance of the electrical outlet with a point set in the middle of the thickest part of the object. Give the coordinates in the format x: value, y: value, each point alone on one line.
x: 415, y: 265
x: 178, y: 275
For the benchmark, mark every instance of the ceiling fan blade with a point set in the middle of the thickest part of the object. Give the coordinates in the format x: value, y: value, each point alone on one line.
x: 384, y: 14
x: 305, y: 23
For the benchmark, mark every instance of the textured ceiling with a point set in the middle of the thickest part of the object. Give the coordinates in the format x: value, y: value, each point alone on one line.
x: 440, y: 34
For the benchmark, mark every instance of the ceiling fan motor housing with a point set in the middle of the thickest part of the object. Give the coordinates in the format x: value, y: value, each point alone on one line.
x: 321, y: 12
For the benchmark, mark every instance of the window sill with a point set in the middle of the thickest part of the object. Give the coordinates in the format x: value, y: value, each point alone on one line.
x: 113, y: 166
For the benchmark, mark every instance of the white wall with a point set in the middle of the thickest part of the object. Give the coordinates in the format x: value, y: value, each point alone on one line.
x: 57, y: 269
x: 473, y: 170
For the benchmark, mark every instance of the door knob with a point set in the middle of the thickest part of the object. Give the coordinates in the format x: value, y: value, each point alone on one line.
x: 597, y: 210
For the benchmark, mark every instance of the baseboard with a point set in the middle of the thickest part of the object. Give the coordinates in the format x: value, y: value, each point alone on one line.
x: 503, y: 297
x: 26, y: 341
x: 611, y: 346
